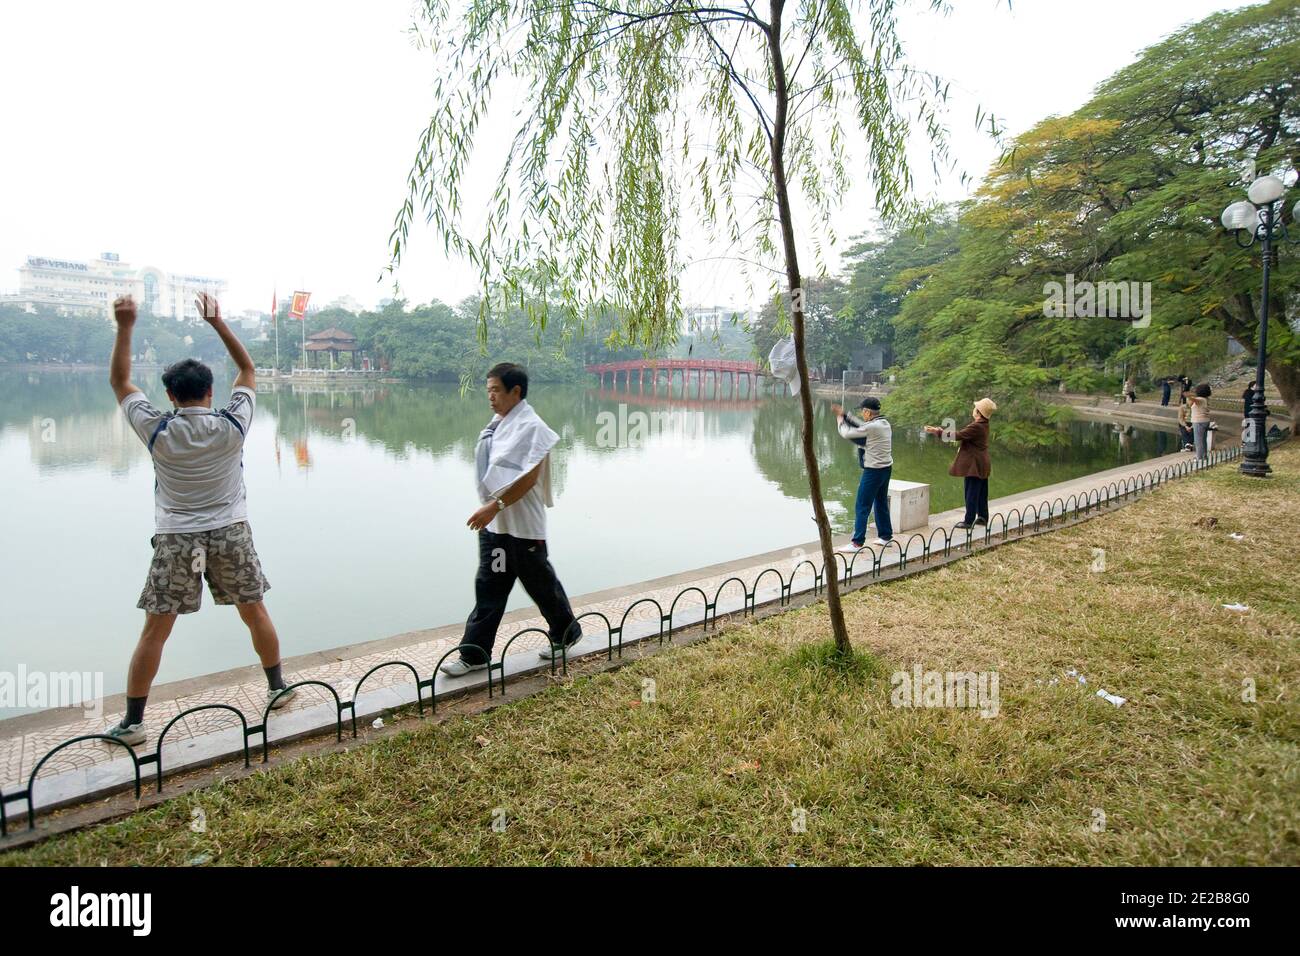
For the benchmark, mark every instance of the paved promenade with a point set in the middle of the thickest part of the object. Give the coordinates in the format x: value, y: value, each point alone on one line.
x: 94, y: 766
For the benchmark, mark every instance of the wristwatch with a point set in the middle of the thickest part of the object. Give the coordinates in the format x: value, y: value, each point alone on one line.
x: 501, y: 505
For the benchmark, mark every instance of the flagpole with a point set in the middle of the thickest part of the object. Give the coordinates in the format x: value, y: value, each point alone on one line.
x: 276, y: 322
x: 304, y: 333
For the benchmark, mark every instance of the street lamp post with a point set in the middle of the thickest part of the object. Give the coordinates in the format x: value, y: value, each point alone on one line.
x: 1251, y: 220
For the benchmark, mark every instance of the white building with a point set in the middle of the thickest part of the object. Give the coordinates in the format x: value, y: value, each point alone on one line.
x: 71, y: 285
x: 250, y: 320
x: 347, y: 303
x: 713, y: 318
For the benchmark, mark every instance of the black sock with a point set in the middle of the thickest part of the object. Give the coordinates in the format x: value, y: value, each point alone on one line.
x: 134, y: 710
x: 273, y: 678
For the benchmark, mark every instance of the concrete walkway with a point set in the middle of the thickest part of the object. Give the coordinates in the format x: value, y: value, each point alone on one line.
x: 96, y: 767
x: 1166, y: 416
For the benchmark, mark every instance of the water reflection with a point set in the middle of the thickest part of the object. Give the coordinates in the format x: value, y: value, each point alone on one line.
x: 359, y: 498
x: 71, y: 421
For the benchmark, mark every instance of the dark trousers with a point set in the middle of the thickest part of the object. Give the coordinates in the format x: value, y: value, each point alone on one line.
x: 873, y: 493
x: 977, y: 499
x: 503, y: 559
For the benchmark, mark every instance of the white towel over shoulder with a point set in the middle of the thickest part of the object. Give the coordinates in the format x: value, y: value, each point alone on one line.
x: 520, y: 442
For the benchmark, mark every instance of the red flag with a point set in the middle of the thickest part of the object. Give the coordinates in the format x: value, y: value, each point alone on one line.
x: 299, y: 307
x: 273, y: 318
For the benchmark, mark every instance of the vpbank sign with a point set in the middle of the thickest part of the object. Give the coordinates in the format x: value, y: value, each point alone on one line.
x: 1121, y: 301
x: 102, y: 909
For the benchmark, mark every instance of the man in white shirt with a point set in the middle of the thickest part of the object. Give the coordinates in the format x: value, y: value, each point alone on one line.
x: 512, y: 464
x: 200, y: 508
x: 874, y: 439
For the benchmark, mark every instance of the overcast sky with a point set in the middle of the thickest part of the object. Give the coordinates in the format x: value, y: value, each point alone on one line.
x: 267, y: 143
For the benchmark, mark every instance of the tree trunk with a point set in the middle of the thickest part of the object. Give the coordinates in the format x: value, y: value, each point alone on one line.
x: 795, y: 283
x: 1286, y: 378
x: 1242, y: 323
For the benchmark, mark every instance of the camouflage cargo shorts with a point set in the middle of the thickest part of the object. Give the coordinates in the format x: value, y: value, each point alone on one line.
x: 225, y: 556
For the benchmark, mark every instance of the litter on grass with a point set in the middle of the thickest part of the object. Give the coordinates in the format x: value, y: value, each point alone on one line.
x: 1073, y: 675
x: 1239, y: 608
x: 378, y: 723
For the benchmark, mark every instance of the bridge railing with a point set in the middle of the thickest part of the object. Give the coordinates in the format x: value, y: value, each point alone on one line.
x: 721, y: 365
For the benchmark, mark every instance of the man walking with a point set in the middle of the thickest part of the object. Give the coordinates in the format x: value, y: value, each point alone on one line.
x: 200, y: 509
x: 874, y: 439
x: 512, y: 462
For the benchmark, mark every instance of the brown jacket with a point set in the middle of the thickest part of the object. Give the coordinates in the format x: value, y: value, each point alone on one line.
x: 972, y: 459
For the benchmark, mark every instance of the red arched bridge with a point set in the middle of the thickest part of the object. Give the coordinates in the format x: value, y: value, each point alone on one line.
x: 654, y: 369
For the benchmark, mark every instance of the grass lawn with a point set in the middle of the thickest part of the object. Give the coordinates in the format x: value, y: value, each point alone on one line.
x: 749, y: 728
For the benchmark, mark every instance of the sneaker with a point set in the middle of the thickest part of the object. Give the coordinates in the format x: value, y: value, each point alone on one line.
x: 131, y: 734
x: 459, y: 667
x: 284, y: 698
x: 552, y: 651
x: 881, y: 542
x: 962, y: 526
x: 851, y: 548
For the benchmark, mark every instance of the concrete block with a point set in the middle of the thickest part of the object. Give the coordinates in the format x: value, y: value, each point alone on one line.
x: 909, y: 505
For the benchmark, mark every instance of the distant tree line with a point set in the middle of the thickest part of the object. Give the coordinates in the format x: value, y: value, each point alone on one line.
x: 433, y: 342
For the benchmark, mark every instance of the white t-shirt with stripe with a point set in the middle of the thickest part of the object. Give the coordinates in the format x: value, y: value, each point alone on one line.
x: 198, y: 460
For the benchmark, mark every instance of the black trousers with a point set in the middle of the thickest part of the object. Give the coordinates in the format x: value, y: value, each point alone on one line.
x: 977, y: 499
x: 503, y: 559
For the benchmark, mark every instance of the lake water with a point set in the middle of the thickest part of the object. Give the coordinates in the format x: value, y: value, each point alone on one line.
x: 358, y: 500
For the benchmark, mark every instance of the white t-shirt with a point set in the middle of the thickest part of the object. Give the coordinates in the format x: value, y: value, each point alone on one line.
x: 198, y: 460
x: 526, y: 518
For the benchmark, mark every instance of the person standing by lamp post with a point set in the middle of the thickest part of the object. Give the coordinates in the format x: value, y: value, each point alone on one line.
x: 1200, y: 418
x: 1259, y: 219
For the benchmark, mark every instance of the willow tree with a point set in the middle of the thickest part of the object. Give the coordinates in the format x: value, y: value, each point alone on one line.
x: 626, y: 110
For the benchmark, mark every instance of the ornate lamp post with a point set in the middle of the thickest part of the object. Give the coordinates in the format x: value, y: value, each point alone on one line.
x: 1257, y: 219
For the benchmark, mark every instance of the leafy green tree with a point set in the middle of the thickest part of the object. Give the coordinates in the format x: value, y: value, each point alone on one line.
x: 1128, y: 189
x: 882, y: 271
x: 633, y: 107
x: 1204, y: 110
